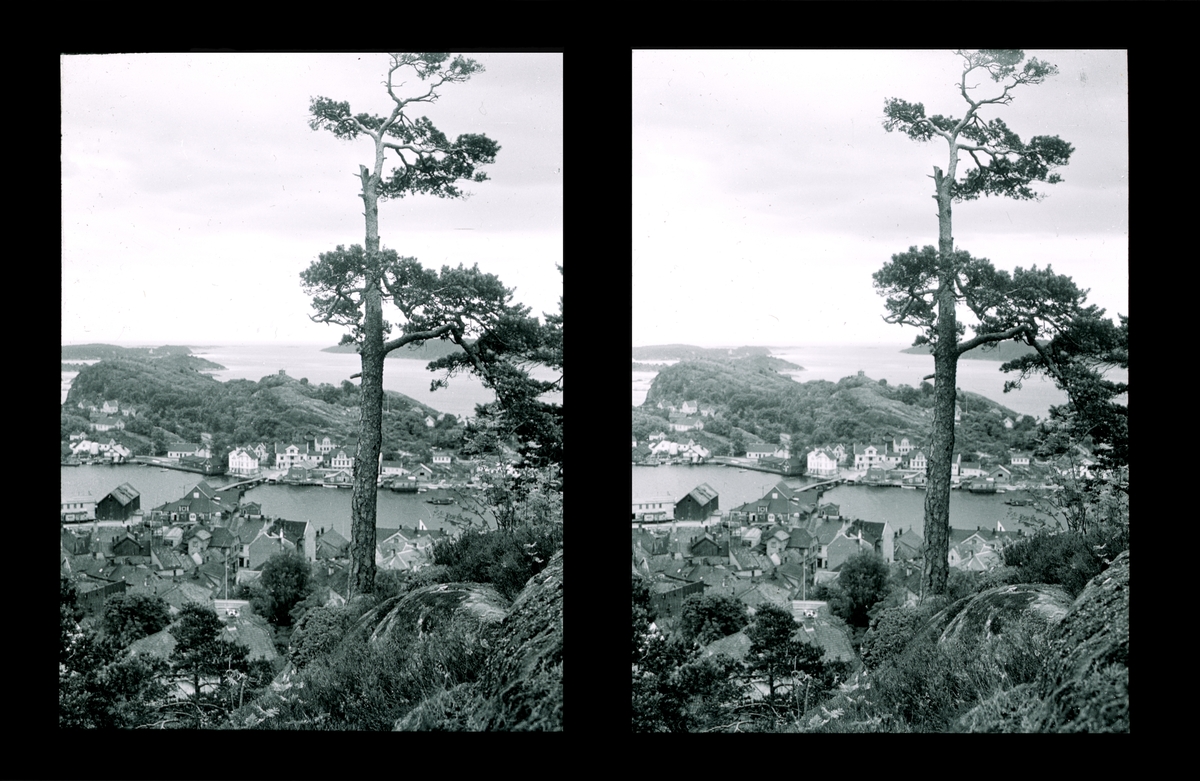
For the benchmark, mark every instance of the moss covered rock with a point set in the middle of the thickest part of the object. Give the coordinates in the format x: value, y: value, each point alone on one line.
x: 1086, y: 685
x: 521, y: 688
x: 430, y: 609
x: 524, y: 676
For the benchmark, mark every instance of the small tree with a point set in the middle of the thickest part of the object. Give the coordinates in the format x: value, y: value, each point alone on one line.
x: 283, y: 583
x: 203, y: 658
x: 773, y: 651
x: 129, y: 617
x: 706, y: 618
x: 863, y: 583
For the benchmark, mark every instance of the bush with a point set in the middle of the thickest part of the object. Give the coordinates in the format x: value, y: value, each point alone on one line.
x: 890, y: 633
x: 506, y: 559
x: 1058, y: 559
x: 318, y: 633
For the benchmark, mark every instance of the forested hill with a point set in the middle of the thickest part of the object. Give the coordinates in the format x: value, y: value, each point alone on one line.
x: 174, y: 401
x: 755, y: 403
x: 686, y: 352
x: 182, y: 356
x: 997, y: 351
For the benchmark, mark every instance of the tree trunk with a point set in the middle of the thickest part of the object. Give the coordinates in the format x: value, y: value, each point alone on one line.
x: 366, y: 458
x: 945, y: 370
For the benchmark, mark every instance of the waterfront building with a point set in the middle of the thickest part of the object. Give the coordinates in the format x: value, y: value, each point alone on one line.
x: 120, y: 504
x: 654, y: 508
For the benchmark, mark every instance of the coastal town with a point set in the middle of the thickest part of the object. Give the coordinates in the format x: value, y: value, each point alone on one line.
x: 781, y: 548
x: 207, y: 545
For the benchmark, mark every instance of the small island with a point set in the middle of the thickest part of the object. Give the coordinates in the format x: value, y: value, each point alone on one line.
x: 180, y: 356
x: 429, y: 351
x: 757, y: 357
x: 996, y: 351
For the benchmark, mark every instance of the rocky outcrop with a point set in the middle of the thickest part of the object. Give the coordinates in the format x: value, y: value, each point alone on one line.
x: 1086, y: 686
x: 433, y: 608
x: 1084, y: 681
x: 521, y: 687
x: 986, y: 618
x: 524, y: 676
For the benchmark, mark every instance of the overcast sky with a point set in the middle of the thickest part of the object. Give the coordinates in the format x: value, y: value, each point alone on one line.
x: 194, y: 192
x: 766, y: 191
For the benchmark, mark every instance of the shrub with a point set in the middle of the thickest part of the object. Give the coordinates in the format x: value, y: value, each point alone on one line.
x: 506, y: 559
x: 318, y: 633
x: 1058, y: 559
x: 890, y: 633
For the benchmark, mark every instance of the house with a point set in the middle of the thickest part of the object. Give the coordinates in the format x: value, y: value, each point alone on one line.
x: 331, y: 545
x: 971, y: 469
x: 871, y: 455
x: 167, y: 561
x: 690, y: 407
x: 699, y: 504
x: 110, y: 408
x: 748, y: 564
x: 707, y: 546
x: 205, y: 464
x: 762, y: 450
x: 197, y: 539
x: 223, y: 545
x: 917, y: 461
x: 774, y: 541
x: 766, y: 593
x: 653, y: 508
x: 441, y: 457
x: 822, y: 462
x: 76, y: 543
x: 181, y: 449
x: 243, y: 461
x: 93, y: 591
x: 685, y: 423
x: 1019, y: 459
x: 1000, y: 474
x: 845, y: 544
x: 1008, y: 422
x: 128, y: 545
x: 904, y: 446
x: 801, y: 547
x: 667, y: 596
x: 430, y: 422
x: 340, y: 458
x: 199, y: 504
x: 184, y: 592
x: 105, y: 423
x: 266, y: 544
x: 302, y: 535
x: 78, y: 508
x: 287, y: 456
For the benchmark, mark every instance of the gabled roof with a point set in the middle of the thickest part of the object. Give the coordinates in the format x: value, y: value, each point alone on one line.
x: 124, y: 493
x: 703, y: 494
x: 800, y: 539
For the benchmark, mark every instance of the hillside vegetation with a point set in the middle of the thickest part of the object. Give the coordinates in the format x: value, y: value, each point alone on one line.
x: 753, y: 400
x: 175, y: 401
x: 178, y: 355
